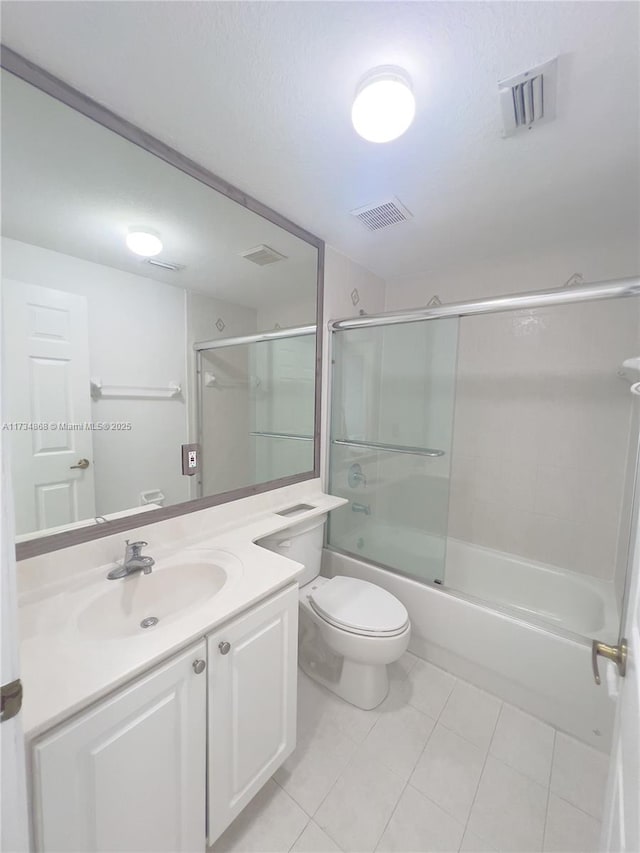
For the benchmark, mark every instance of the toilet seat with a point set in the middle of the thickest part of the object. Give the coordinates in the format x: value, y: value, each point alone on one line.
x: 359, y: 607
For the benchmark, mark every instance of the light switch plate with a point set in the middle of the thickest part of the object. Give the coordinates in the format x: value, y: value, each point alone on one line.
x: 190, y: 459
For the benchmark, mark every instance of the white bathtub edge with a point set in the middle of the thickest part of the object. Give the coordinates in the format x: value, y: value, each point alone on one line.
x: 542, y: 673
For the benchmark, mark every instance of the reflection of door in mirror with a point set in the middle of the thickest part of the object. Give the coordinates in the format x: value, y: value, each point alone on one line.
x: 101, y: 331
x: 47, y: 385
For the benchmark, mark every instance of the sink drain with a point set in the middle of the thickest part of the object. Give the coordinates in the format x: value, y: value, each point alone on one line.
x: 149, y: 622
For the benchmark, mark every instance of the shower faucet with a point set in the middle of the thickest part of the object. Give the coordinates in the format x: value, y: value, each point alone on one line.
x: 365, y: 508
x: 355, y: 477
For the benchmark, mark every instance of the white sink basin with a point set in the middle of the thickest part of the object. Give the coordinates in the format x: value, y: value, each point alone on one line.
x: 171, y: 591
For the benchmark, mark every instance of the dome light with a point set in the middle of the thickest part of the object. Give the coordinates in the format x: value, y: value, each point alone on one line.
x: 143, y: 241
x: 384, y: 106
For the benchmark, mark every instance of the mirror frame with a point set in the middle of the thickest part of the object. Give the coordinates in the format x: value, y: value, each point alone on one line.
x: 17, y: 65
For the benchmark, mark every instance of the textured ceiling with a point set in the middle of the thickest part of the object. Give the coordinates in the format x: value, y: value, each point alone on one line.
x: 71, y: 185
x: 260, y: 93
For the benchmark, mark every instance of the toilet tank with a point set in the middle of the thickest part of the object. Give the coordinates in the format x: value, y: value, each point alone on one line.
x: 302, y: 543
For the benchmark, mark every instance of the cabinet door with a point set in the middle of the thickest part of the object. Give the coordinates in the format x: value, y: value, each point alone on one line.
x: 128, y: 775
x: 252, y: 704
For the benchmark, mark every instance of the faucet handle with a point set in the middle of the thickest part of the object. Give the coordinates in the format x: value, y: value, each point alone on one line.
x: 136, y: 547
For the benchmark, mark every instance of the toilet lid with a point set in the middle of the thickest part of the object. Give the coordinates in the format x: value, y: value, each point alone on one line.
x: 360, y: 606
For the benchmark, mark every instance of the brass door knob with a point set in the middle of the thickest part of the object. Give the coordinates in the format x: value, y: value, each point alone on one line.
x: 617, y: 654
x: 82, y: 463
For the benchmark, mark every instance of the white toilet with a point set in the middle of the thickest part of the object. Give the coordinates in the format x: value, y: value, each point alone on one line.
x: 349, y: 629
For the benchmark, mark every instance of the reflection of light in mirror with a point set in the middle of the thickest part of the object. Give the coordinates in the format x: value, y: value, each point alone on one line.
x: 145, y: 242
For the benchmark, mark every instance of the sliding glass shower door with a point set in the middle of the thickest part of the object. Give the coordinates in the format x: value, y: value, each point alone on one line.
x: 393, y: 390
x: 256, y: 408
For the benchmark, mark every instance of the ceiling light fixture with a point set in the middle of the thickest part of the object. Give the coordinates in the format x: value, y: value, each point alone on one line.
x: 144, y: 241
x: 384, y: 106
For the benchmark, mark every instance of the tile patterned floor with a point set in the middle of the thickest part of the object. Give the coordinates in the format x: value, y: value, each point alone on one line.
x: 439, y: 766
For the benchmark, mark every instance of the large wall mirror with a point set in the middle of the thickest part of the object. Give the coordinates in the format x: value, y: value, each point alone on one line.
x: 134, y: 383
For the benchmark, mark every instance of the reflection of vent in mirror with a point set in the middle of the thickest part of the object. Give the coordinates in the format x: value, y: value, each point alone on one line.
x: 263, y: 255
x: 377, y: 216
x: 164, y: 265
x: 294, y: 510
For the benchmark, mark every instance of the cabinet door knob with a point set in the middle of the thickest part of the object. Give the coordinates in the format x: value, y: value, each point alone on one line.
x: 224, y: 648
x: 199, y: 666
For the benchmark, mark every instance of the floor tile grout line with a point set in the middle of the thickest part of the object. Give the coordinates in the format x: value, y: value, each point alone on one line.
x: 298, y: 837
x: 438, y: 806
x: 408, y: 782
x: 574, y: 806
x: 334, y: 783
x: 484, y: 764
x: 437, y: 721
x: 395, y: 808
x: 546, y: 811
x: 325, y: 829
x: 340, y: 775
x: 356, y: 745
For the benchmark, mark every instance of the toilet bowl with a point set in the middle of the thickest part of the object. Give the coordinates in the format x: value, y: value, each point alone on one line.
x: 349, y: 630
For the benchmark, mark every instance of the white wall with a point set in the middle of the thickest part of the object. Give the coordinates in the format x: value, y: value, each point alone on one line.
x: 136, y: 337
x: 295, y: 312
x: 542, y: 422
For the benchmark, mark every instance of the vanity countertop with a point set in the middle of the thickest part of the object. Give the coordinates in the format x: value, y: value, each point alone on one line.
x: 66, y: 665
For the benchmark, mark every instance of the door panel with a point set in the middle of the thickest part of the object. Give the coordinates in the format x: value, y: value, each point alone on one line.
x: 621, y: 826
x: 46, y: 370
x: 129, y: 775
x: 252, y: 704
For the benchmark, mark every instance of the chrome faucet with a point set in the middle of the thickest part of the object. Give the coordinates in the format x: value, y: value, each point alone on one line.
x: 133, y: 561
x: 365, y: 508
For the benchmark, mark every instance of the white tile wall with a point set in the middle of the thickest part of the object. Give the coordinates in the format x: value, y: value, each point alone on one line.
x: 542, y: 422
x: 541, y: 434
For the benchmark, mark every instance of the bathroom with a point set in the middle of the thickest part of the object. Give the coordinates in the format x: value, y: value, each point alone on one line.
x: 320, y: 402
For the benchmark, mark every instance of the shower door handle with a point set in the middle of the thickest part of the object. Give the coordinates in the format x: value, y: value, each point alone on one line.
x: 618, y: 654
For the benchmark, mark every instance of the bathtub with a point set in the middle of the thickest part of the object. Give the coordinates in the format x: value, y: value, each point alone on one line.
x: 498, y: 630
x: 579, y: 606
x: 566, y: 601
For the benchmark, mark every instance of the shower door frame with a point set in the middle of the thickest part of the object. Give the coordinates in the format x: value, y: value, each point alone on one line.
x: 594, y: 292
x: 200, y: 347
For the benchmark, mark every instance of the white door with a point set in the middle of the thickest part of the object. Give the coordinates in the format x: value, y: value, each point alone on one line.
x: 13, y: 812
x: 128, y: 775
x: 45, y: 361
x: 252, y: 704
x: 621, y: 827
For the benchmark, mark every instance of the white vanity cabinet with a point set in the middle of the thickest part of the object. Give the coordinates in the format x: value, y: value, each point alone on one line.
x: 252, y: 704
x: 132, y: 772
x: 129, y: 773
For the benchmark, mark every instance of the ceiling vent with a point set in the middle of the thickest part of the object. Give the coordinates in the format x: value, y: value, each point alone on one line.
x: 529, y: 98
x: 164, y: 265
x: 263, y: 255
x: 382, y: 215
